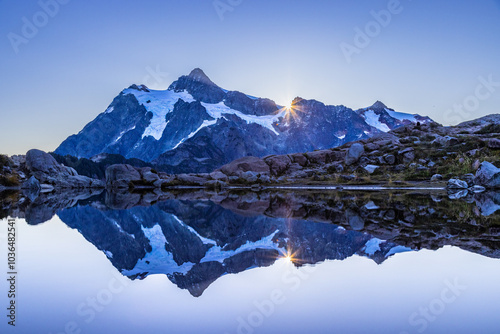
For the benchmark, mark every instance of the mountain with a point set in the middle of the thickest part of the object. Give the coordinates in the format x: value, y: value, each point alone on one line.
x: 196, y: 126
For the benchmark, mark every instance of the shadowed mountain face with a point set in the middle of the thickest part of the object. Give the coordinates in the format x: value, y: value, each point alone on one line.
x: 196, y: 242
x: 196, y: 126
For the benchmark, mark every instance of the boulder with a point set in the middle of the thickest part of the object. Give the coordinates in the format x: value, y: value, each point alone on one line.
x: 191, y: 179
x: 249, y: 176
x: 408, y: 154
x: 371, y: 168
x: 32, y: 183
x: 218, y: 175
x: 78, y: 181
x: 445, y: 141
x: 354, y: 153
x: 47, y: 171
x: 488, y: 202
x: 384, y: 138
x: 477, y: 189
x: 469, y: 178
x: 354, y: 220
x: 325, y: 156
x: 457, y: 184
x: 488, y: 175
x: 46, y: 188
x: 148, y: 175
x: 70, y: 171
x: 293, y: 168
x: 39, y: 161
x: 162, y: 182
x: 372, y: 147
x: 31, y: 188
x: 278, y: 164
x: 371, y: 206
x: 265, y: 179
x: 458, y: 194
x: 121, y: 176
x: 300, y: 159
x: 389, y: 159
x: 245, y: 164
x: 436, y: 177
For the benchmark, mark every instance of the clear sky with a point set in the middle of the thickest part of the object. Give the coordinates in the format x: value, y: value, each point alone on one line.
x: 61, y: 65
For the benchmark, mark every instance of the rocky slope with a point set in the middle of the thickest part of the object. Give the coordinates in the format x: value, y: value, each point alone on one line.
x: 408, y: 154
x: 38, y: 172
x: 196, y: 126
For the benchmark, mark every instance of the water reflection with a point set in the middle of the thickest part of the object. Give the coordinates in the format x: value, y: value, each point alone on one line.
x: 196, y: 242
x: 196, y: 237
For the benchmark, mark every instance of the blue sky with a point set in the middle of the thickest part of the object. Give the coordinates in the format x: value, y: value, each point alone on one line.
x: 437, y: 58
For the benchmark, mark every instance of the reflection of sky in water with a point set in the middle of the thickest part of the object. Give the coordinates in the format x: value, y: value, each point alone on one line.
x: 59, y: 270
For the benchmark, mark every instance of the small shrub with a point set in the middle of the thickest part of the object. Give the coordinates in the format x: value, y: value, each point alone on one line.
x: 9, y: 181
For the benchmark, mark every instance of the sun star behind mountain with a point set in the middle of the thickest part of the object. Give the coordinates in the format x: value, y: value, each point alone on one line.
x: 196, y: 126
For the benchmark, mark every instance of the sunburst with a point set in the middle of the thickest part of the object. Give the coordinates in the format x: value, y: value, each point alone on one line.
x: 292, y: 111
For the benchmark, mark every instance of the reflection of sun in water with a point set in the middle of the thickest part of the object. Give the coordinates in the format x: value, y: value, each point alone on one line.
x: 288, y: 256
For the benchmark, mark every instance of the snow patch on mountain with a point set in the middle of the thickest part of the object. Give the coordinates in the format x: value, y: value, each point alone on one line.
x: 217, y: 254
x: 401, y: 116
x: 158, y: 261
x: 192, y: 230
x: 373, y: 119
x: 218, y: 110
x: 372, y: 246
x: 122, y: 133
x: 159, y: 103
x: 203, y: 125
x: 397, y: 249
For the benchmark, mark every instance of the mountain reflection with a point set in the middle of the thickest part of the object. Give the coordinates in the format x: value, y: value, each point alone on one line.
x: 196, y: 242
x: 195, y: 237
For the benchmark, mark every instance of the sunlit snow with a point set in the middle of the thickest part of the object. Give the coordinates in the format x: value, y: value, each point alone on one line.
x: 158, y: 261
x: 401, y: 116
x: 218, y: 110
x: 373, y: 119
x: 217, y: 254
x: 160, y: 103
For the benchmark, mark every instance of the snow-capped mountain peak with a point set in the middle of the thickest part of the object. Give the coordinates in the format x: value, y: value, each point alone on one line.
x: 196, y: 126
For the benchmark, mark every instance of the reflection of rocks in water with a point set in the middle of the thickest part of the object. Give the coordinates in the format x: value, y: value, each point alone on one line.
x: 38, y: 207
x: 488, y: 203
x: 196, y: 242
x: 415, y: 220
